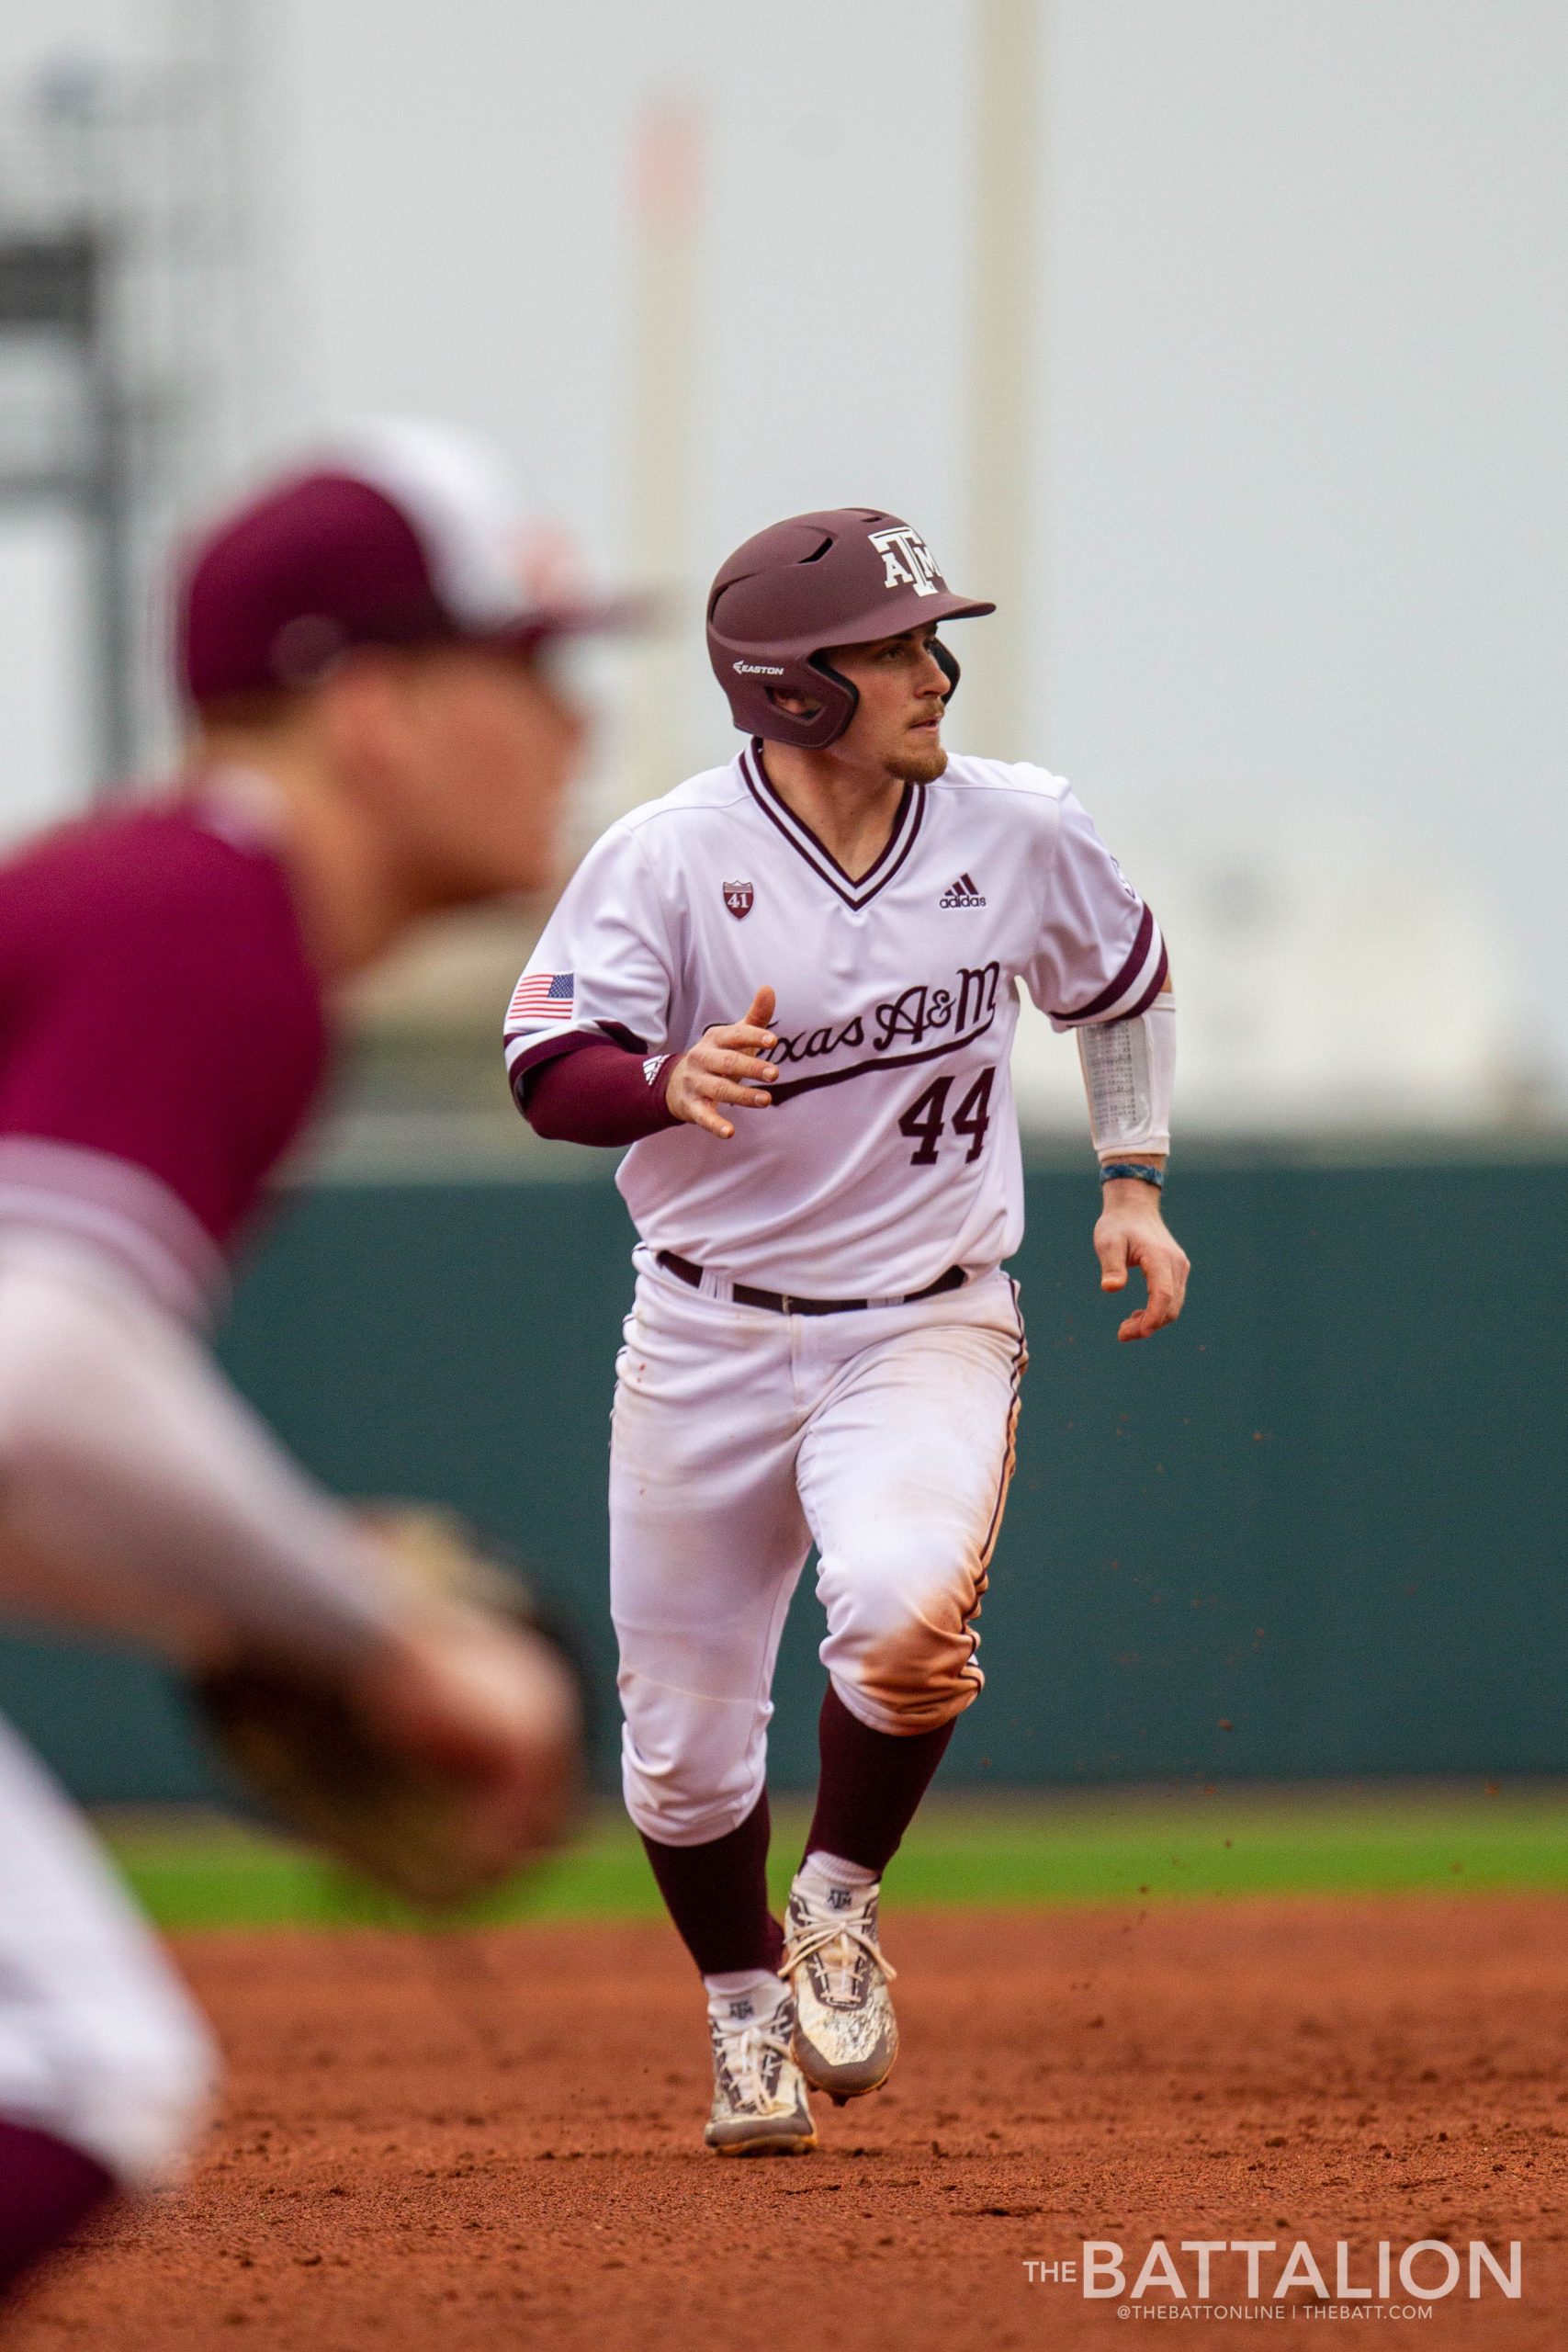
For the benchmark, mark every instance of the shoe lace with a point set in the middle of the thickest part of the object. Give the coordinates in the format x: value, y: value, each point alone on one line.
x: 747, y: 2050
x: 839, y: 1965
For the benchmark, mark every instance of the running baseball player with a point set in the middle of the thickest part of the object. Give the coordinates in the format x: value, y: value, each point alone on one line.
x: 790, y: 985
x: 374, y: 733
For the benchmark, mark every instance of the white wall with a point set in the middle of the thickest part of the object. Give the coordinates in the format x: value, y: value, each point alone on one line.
x: 1308, y: 496
x: 1301, y: 490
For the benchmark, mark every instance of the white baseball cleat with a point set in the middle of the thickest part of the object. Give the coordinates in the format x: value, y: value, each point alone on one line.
x: 846, y: 2036
x: 760, y: 2107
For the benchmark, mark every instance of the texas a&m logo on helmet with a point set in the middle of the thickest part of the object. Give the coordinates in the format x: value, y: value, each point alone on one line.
x: 910, y: 563
x: 739, y: 898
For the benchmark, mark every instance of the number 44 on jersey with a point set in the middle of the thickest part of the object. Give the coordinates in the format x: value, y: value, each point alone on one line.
x: 926, y: 1120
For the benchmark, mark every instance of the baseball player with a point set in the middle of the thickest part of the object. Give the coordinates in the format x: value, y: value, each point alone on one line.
x: 790, y: 985
x: 374, y: 733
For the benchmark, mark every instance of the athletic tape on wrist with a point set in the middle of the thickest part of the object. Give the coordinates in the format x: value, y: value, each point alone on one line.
x: 1129, y: 1067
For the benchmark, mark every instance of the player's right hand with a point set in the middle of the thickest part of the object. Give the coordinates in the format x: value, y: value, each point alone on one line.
x: 726, y: 1065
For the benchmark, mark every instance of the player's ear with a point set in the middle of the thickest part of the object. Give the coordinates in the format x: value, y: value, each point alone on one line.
x: 946, y: 663
x: 793, y: 705
x: 361, y: 712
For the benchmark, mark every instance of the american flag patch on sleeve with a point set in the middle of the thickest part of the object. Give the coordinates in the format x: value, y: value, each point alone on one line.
x: 541, y: 998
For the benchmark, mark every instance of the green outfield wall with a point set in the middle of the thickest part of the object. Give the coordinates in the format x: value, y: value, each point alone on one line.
x: 1318, y: 1530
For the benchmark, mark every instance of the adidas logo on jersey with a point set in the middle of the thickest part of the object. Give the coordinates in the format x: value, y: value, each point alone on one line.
x: 962, y: 893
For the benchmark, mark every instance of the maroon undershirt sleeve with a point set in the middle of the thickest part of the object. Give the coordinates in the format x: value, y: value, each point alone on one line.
x: 592, y: 1091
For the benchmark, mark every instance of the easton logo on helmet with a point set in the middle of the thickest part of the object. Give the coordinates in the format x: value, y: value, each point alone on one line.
x: 758, y: 669
x: 739, y: 898
x: 910, y: 563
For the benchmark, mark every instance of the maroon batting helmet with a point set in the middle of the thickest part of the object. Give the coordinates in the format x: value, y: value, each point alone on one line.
x: 847, y: 576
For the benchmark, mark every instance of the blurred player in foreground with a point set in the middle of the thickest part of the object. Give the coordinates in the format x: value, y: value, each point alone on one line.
x: 375, y: 734
x: 791, y: 986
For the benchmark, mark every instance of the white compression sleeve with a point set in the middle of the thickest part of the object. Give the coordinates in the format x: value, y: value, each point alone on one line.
x: 138, y: 1490
x: 1129, y: 1068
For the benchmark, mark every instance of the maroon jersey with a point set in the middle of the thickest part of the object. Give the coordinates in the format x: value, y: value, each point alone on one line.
x: 162, y: 1033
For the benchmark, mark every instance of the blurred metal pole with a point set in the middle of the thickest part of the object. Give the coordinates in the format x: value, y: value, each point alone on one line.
x: 1001, y: 656
x: 58, y: 285
x: 115, y: 600
x: 232, y: 49
x: 667, y: 198
x: 119, y: 247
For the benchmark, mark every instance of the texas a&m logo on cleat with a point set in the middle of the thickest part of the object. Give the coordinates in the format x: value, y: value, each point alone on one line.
x: 962, y: 893
x: 739, y: 898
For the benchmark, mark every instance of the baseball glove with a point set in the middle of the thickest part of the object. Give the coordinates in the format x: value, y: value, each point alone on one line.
x: 403, y: 1809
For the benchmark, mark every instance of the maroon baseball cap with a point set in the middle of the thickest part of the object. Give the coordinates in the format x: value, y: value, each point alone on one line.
x: 401, y: 534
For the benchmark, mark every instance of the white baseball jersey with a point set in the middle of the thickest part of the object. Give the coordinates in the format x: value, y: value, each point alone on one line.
x: 890, y: 1151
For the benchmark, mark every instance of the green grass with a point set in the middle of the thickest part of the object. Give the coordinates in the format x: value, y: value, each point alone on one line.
x: 1098, y: 1847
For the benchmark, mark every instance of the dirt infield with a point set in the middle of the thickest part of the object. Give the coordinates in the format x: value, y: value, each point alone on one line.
x: 494, y: 2140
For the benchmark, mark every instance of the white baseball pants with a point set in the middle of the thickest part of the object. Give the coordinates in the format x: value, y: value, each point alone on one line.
x: 99, y: 2043
x: 739, y: 1437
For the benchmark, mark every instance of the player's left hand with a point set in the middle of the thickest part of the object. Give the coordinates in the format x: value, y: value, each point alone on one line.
x: 1131, y: 1232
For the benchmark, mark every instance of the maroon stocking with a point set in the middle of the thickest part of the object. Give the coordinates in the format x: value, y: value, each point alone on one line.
x: 46, y: 2187
x: 718, y: 1896
x: 871, y: 1785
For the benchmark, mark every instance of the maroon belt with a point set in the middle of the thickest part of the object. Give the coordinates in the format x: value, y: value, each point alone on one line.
x: 780, y: 1301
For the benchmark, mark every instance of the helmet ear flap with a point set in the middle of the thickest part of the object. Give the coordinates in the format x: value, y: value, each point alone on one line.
x: 949, y: 667
x: 843, y: 704
x: 834, y: 699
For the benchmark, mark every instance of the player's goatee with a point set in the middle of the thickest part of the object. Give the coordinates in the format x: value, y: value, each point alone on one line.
x: 915, y: 766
